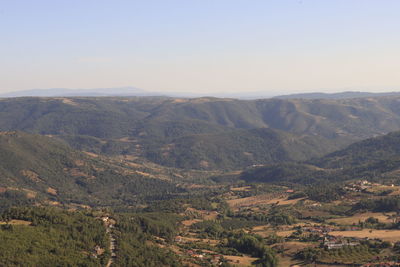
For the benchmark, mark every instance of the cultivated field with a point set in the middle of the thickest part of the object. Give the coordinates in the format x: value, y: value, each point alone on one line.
x: 241, y: 261
x: 268, y: 232
x: 360, y: 217
x: 386, y: 235
x: 266, y: 199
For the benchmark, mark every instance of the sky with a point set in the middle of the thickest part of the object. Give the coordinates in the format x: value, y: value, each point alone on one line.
x: 203, y: 46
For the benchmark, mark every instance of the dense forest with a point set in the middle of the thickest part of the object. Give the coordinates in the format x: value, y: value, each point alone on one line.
x: 51, y: 237
x: 204, y: 133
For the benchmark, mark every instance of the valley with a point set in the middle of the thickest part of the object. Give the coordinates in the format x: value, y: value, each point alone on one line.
x: 158, y: 181
x: 208, y: 133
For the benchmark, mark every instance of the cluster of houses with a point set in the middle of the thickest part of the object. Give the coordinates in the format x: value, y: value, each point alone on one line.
x: 325, y: 229
x: 329, y: 241
x: 319, y: 229
x: 206, y: 255
x: 109, y: 223
x: 358, y: 186
x: 362, y: 186
x: 332, y: 242
x: 214, y: 259
x: 97, y: 250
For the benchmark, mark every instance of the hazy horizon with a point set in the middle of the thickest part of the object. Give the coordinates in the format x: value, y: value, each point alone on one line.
x: 133, y: 91
x: 206, y: 47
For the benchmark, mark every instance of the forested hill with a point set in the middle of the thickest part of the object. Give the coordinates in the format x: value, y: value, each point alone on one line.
x: 165, y: 117
x: 204, y: 133
x: 370, y: 150
x: 375, y: 158
x: 39, y: 168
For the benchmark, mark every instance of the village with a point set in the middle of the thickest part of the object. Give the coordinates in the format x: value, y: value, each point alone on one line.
x: 322, y: 232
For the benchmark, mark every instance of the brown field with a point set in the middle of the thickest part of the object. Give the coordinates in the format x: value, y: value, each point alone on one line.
x: 380, y: 188
x: 307, y: 213
x: 79, y: 163
x: 260, y: 228
x: 127, y: 139
x: 243, y: 188
x: 93, y: 155
x: 52, y: 191
x: 291, y: 248
x: 294, y: 246
x: 266, y: 199
x: 362, y: 217
x: 31, y: 175
x: 212, y: 215
x: 145, y: 174
x: 265, y: 230
x: 278, y: 233
x: 284, y: 233
x: 240, y: 261
x: 286, y: 261
x: 52, y: 203
x: 194, y: 239
x: 16, y: 222
x: 386, y: 235
x: 135, y: 165
x: 190, y: 222
x: 395, y: 193
x: 30, y: 193
x: 284, y: 201
x: 78, y: 173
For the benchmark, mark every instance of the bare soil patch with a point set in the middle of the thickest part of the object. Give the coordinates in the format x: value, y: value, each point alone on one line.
x: 16, y: 222
x: 240, y: 260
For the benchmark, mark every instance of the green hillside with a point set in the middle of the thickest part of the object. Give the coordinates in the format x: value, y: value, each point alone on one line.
x: 371, y: 150
x: 45, y: 236
x: 40, y: 167
x: 375, y: 159
x: 204, y: 133
x: 118, y: 117
x: 235, y: 149
x: 51, y: 237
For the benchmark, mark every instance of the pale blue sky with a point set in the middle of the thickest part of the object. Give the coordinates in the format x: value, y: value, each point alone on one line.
x: 201, y: 45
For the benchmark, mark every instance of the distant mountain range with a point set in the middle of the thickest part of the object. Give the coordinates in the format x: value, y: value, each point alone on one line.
x: 133, y: 91
x: 126, y: 91
x: 340, y: 95
x: 59, y: 92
